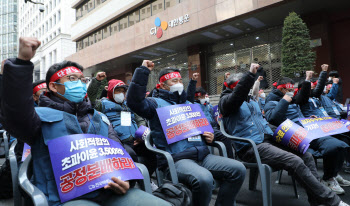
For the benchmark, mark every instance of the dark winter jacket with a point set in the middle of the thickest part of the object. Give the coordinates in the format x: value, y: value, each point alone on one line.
x: 17, y: 110
x: 277, y: 109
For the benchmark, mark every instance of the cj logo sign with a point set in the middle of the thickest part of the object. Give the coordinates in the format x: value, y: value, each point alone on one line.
x: 161, y: 26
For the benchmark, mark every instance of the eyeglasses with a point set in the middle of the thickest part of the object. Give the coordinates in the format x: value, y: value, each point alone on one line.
x: 73, y: 78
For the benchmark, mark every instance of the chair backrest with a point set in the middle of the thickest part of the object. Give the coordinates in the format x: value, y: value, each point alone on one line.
x: 24, y: 175
x: 14, y: 174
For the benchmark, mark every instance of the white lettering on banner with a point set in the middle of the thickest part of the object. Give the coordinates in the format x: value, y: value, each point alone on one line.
x: 180, y: 110
x: 84, y: 143
x: 78, y: 158
x: 312, y: 127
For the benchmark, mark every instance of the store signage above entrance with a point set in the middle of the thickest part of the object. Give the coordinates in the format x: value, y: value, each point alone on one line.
x: 161, y: 26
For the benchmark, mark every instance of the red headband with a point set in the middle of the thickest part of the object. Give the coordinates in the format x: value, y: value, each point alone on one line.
x: 286, y: 86
x: 63, y: 72
x: 231, y: 86
x: 168, y: 76
x: 314, y: 83
x: 275, y: 84
x: 38, y: 87
x: 197, y: 94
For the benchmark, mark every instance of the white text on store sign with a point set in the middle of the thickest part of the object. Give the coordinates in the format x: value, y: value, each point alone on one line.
x: 172, y: 23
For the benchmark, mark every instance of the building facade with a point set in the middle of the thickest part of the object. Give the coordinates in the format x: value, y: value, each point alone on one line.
x: 52, y: 27
x: 206, y: 36
x: 8, y: 29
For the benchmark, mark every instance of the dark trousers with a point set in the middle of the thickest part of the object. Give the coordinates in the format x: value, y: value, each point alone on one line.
x: 143, y: 155
x: 332, y: 151
x: 301, y: 166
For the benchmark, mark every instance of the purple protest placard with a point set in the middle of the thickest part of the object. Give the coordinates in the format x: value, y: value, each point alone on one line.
x: 83, y: 163
x: 348, y: 112
x: 293, y: 136
x: 26, y: 151
x: 323, y: 126
x: 182, y: 121
x: 142, y: 132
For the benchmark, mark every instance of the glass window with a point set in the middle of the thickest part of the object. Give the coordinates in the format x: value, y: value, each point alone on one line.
x: 91, y: 5
x: 84, y: 9
x: 86, y: 42
x: 134, y: 17
x: 145, y: 12
x: 92, y: 39
x: 78, y: 13
x: 59, y: 16
x: 106, y: 32
x: 157, y: 7
x: 97, y: 2
x: 123, y: 23
x: 99, y: 35
x: 115, y: 27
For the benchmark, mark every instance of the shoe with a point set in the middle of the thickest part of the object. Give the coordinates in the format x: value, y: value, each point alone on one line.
x: 342, y: 182
x: 343, y: 204
x: 334, y: 186
x: 347, y: 167
x: 153, y: 186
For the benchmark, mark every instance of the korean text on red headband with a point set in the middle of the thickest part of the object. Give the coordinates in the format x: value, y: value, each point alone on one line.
x: 39, y: 87
x: 63, y: 72
x: 168, y: 76
x: 286, y: 86
x: 198, y: 94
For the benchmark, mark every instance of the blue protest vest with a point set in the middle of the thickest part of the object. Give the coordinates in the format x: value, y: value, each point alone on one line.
x: 159, y: 138
x: 208, y: 112
x: 113, y: 112
x: 248, y: 123
x: 328, y: 105
x: 54, y: 124
x: 310, y: 109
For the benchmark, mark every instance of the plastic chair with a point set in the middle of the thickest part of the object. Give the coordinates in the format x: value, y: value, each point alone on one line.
x: 257, y: 168
x: 39, y: 199
x: 173, y: 175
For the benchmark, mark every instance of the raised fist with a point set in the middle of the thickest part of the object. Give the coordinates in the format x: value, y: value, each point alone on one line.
x: 309, y: 75
x: 260, y: 78
x: 254, y: 68
x: 335, y: 80
x: 149, y: 64
x: 27, y: 48
x: 324, y: 67
x: 101, y: 76
x: 195, y: 76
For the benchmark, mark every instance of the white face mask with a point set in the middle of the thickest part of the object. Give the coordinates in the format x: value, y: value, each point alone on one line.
x: 263, y: 95
x: 119, y: 98
x: 290, y: 94
x: 177, y: 88
x: 329, y: 78
x: 202, y: 101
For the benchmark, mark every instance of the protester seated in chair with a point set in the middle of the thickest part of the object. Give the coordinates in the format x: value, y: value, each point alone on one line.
x: 66, y: 104
x: 200, y: 98
x: 125, y: 122
x: 195, y: 166
x: 244, y: 119
x: 282, y: 104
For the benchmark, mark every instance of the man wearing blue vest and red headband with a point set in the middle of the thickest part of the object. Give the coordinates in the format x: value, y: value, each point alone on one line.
x: 64, y: 110
x: 194, y: 165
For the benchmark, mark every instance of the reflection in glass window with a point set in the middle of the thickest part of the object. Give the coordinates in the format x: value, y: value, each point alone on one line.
x: 106, y: 32
x: 123, y: 23
x: 145, y: 12
x: 170, y: 3
x: 92, y: 39
x: 134, y: 17
x: 115, y: 27
x: 98, y: 36
x: 86, y: 42
x: 157, y: 7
